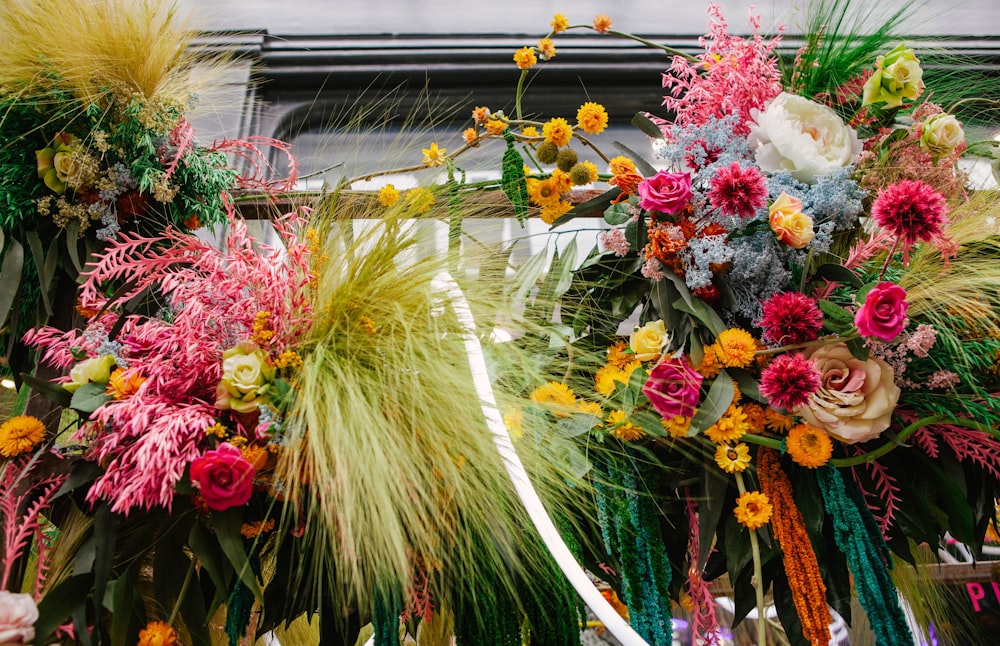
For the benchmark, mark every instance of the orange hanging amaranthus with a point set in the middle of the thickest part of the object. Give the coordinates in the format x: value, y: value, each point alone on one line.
x: 801, y: 567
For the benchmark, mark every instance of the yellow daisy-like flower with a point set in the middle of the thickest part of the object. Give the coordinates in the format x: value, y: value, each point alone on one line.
x: 561, y: 180
x: 420, y: 199
x: 709, y: 366
x: 602, y: 23
x: 553, y: 212
x: 543, y: 192
x: 677, y: 426
x: 621, y: 165
x: 622, y: 428
x: 470, y: 136
x: 591, y: 408
x: 619, y: 355
x: 555, y: 394
x: 434, y: 156
x: 513, y: 419
x: 529, y: 131
x: 495, y: 127
x: 778, y: 422
x: 124, y: 383
x: 557, y: 131
x: 731, y: 427
x: 525, y: 58
x: 735, y: 348
x: 732, y: 459
x: 592, y: 118
x: 809, y: 446
x: 158, y: 633
x: 753, y: 509
x: 388, y: 195
x: 20, y: 435
x: 606, y: 379
x: 756, y: 418
x: 546, y: 49
x: 559, y: 23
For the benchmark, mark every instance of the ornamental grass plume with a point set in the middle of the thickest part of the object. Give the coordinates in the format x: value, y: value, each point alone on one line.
x: 392, y: 446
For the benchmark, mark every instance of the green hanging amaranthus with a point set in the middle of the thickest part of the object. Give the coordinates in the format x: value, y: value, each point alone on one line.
x: 631, y: 530
x: 868, y: 557
x: 512, y: 180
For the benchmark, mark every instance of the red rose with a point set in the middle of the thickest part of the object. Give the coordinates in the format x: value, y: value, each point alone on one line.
x: 884, y: 313
x: 673, y: 388
x: 665, y: 192
x: 224, y: 477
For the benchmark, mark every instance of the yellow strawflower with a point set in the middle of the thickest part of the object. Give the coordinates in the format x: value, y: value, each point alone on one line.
x: 20, y: 435
x: 525, y: 58
x: 592, y: 118
x: 434, y: 156
x: 559, y: 23
x: 557, y: 131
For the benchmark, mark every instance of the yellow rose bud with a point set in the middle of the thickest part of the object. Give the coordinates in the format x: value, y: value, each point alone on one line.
x: 648, y: 341
x: 789, y: 223
x: 93, y: 370
x: 897, y: 76
x: 941, y: 135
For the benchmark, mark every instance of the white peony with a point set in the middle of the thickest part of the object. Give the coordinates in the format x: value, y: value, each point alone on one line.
x: 18, y: 615
x: 802, y: 137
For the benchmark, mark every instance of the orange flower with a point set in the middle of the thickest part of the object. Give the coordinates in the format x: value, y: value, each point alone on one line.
x: 602, y: 23
x: 809, y: 446
x: 20, y: 434
x: 553, y: 212
x: 709, y: 366
x: 557, y: 131
x: 622, y: 428
x: 677, y: 426
x: 546, y: 49
x: 525, y: 58
x: 592, y: 118
x: 469, y: 136
x: 495, y: 127
x: 731, y: 427
x: 124, y: 383
x: 621, y: 165
x: 481, y: 114
x: 753, y: 509
x: 735, y: 348
x: 158, y: 633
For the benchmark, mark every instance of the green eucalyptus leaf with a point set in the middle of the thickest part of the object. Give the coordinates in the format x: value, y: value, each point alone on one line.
x: 835, y: 312
x: 227, y: 525
x: 714, y: 406
x: 701, y: 311
x: 617, y: 214
x: 10, y: 278
x: 89, y: 397
x: 52, y: 391
x: 858, y: 349
x: 651, y: 423
x: 73, y: 244
x: 562, y: 272
x: 644, y: 123
x: 38, y: 257
x: 51, y: 263
x: 527, y: 276
x: 576, y: 425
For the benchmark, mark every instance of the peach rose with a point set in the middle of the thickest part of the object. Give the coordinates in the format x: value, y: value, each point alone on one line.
x: 789, y: 223
x: 856, y: 398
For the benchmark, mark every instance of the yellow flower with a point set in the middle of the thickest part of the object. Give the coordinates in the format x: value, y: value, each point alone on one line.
x: 606, y: 378
x: 157, y: 633
x: 256, y: 528
x: 553, y: 212
x: 261, y: 333
x: 543, y: 192
x: 218, y: 430
x: 480, y: 114
x: 776, y: 421
x: 789, y: 224
x: 559, y: 23
x: 124, y: 383
x: 753, y: 509
x: 709, y: 366
x: 470, y: 136
x: 529, y: 131
x: 495, y: 127
x: 557, y: 131
x: 592, y: 118
x: 648, y: 341
x: 20, y: 434
x: 591, y: 408
x: 621, y: 165
x: 420, y: 200
x: 809, y: 446
x: 94, y: 370
x: 622, y: 428
x: 591, y: 171
x: 731, y: 427
x: 732, y: 459
x: 602, y: 23
x: 513, y: 419
x: 756, y: 418
x: 525, y: 58
x: 555, y: 394
x: 546, y: 49
x: 388, y: 195
x: 677, y: 426
x: 434, y: 156
x: 618, y: 357
x: 735, y: 348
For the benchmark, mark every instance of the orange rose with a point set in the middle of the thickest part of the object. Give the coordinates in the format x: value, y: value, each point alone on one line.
x: 789, y: 223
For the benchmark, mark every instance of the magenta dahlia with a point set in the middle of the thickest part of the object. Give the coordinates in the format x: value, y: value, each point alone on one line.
x: 738, y: 191
x: 912, y: 210
x: 790, y: 318
x: 789, y: 381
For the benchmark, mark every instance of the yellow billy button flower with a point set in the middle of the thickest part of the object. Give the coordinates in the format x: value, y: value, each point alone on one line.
x: 525, y: 58
x: 20, y: 434
x: 789, y: 224
x: 559, y: 23
x: 592, y: 118
x: 546, y: 49
x: 753, y: 509
x: 434, y: 156
x: 557, y: 131
x: 388, y: 195
x: 732, y: 459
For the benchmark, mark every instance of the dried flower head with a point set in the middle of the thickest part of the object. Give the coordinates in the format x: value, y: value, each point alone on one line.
x: 789, y: 381
x: 911, y: 210
x: 809, y: 446
x: 790, y: 318
x: 753, y: 509
x: 20, y: 434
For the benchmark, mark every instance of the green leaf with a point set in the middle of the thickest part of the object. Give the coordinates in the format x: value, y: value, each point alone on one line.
x: 53, y: 392
x: 38, y: 257
x: 838, y: 274
x: 527, y: 276
x: 73, y: 244
x: 858, y: 349
x: 89, y: 397
x: 836, y: 312
x: 640, y: 164
x: 651, y: 423
x: 749, y: 385
x: 227, y: 528
x: 213, y: 561
x: 562, y: 272
x: 716, y: 402
x: 597, y: 204
x: 576, y: 425
x: 664, y: 295
x: 10, y: 278
x: 83, y: 472
x: 644, y: 123
x: 124, y: 594
x: 51, y: 263
x: 58, y: 604
x: 617, y: 214
x: 705, y: 314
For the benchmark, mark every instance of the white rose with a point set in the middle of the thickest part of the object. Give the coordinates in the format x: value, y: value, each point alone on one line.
x: 18, y: 615
x: 941, y: 134
x: 802, y: 137
x: 856, y: 398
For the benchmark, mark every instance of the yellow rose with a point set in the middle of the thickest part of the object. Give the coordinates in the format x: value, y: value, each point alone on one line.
x: 789, y: 223
x: 246, y: 378
x: 897, y: 76
x: 55, y: 162
x: 648, y: 341
x: 941, y: 135
x: 93, y: 370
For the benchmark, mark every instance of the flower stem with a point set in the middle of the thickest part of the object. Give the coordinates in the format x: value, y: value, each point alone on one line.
x: 183, y: 591
x: 758, y: 572
x: 830, y: 340
x: 519, y: 93
x: 874, y: 454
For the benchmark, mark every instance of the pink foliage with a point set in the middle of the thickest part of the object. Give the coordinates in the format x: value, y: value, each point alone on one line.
x: 735, y: 74
x: 704, y: 623
x: 260, y: 172
x: 23, y: 499
x: 886, y: 495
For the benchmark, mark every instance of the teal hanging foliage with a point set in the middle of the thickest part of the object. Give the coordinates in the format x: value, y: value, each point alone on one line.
x: 868, y: 558
x: 631, y: 531
x: 386, y: 608
x: 488, y: 615
x: 512, y: 180
x: 239, y: 607
x: 553, y: 619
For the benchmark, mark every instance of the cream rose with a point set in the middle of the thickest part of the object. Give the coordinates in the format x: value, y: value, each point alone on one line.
x: 789, y: 223
x: 648, y: 341
x: 93, y: 370
x: 856, y: 398
x: 246, y: 378
x: 18, y: 614
x: 941, y: 135
x: 802, y: 137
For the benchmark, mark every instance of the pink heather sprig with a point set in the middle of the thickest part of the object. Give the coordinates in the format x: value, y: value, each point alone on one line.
x: 735, y: 75
x: 614, y: 240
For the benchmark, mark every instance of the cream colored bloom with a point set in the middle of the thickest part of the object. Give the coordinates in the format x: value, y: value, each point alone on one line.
x: 941, y: 135
x: 897, y: 76
x: 648, y: 341
x: 18, y: 614
x: 93, y: 370
x: 246, y: 378
x: 789, y: 223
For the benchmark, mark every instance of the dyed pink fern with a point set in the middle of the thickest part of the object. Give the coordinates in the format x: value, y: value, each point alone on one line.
x: 21, y: 518
x: 260, y: 174
x: 704, y: 623
x: 927, y: 441
x: 970, y: 444
x: 182, y: 139
x: 735, y: 75
x: 421, y: 601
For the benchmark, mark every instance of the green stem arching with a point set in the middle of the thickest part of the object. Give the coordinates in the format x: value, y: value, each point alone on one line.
x: 182, y: 593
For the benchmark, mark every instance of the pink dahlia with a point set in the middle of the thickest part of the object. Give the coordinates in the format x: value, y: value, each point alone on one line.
x: 790, y: 318
x: 738, y: 191
x: 912, y: 210
x: 790, y: 381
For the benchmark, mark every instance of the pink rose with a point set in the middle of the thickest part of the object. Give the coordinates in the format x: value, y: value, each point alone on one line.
x: 665, y: 192
x: 883, y: 313
x: 18, y: 615
x: 224, y: 477
x: 673, y: 388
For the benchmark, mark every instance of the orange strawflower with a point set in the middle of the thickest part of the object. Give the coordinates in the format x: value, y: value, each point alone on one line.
x: 525, y: 58
x: 809, y: 446
x: 618, y: 354
x: 495, y: 127
x: 735, y: 348
x: 124, y: 383
x: 470, y: 136
x: 731, y: 427
x: 621, y: 165
x: 753, y: 509
x: 20, y: 435
x: 529, y: 131
x: 756, y: 419
x: 158, y: 633
x: 546, y: 49
x: 602, y: 23
x: 559, y: 23
x: 778, y: 422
